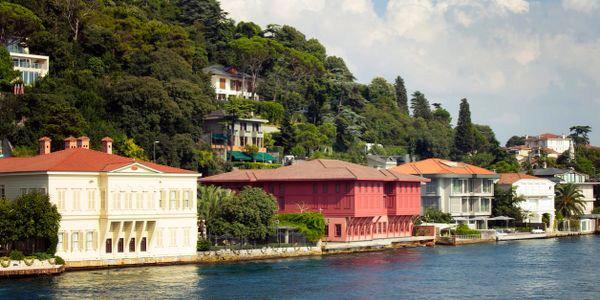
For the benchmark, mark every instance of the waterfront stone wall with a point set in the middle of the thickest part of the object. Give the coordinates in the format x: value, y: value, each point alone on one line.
x: 201, y: 257
x: 254, y: 254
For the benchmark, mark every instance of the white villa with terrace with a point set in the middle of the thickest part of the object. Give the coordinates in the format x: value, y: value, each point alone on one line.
x: 538, y: 194
x: 115, y: 210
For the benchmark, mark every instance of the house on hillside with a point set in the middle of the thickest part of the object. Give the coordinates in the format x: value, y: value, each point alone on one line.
x: 359, y: 203
x: 537, y: 192
x: 32, y: 67
x: 583, y: 184
x: 115, y: 210
x: 552, y: 144
x: 245, y: 131
x: 465, y: 191
x: 229, y: 81
x: 386, y: 161
x: 520, y: 152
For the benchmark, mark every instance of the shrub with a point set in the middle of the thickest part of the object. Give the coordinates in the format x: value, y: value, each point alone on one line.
x: 42, y: 255
x: 59, y: 260
x: 29, y: 260
x: 256, y: 165
x: 16, y: 255
x: 312, y: 225
x: 203, y: 245
x: 5, y: 261
x: 463, y: 229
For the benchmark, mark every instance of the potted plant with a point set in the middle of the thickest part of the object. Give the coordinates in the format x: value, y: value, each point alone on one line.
x: 4, y: 261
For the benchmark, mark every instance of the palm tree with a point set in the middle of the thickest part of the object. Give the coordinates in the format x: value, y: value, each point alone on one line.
x: 568, y: 200
x: 209, y: 199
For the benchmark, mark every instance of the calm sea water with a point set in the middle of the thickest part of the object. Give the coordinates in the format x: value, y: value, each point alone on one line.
x: 565, y: 268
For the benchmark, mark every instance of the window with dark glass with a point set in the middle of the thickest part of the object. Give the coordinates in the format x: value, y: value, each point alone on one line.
x: 337, y: 187
x: 338, y: 230
x: 143, y: 245
x: 271, y: 188
x: 315, y: 188
x: 281, y: 203
x: 281, y: 189
x: 132, y: 245
x: 108, y: 245
x: 325, y: 187
x: 327, y: 230
x: 120, y: 247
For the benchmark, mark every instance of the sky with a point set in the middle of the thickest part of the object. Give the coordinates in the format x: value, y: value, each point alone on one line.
x: 526, y: 67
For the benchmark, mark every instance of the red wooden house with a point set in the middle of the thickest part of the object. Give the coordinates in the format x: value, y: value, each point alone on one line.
x: 358, y: 202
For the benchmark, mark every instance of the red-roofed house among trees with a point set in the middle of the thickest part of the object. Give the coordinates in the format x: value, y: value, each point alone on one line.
x: 358, y: 202
x: 114, y: 209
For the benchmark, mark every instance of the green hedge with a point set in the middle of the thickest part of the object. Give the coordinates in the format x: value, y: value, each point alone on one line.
x: 464, y: 229
x: 311, y: 224
x: 256, y: 165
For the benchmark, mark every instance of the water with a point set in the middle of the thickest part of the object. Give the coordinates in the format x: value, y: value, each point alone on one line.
x: 537, y: 269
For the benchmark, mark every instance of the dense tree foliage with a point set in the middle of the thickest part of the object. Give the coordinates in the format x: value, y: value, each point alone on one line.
x: 29, y: 223
x: 506, y: 203
x: 251, y: 213
x: 132, y: 70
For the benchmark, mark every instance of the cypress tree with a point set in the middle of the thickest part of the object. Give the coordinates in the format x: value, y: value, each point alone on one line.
x: 420, y: 106
x: 401, y: 95
x: 464, y: 140
x: 286, y: 138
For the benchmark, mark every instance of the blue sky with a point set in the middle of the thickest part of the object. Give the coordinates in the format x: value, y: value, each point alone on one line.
x: 526, y: 67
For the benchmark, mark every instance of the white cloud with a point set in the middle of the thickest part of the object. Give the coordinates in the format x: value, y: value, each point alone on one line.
x: 500, y: 54
x: 584, y: 6
x: 513, y: 6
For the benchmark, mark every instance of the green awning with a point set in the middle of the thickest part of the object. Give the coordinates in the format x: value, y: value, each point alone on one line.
x: 239, y: 156
x: 219, y: 137
x: 264, y: 157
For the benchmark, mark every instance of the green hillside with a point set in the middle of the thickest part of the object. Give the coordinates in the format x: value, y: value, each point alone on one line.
x: 132, y: 70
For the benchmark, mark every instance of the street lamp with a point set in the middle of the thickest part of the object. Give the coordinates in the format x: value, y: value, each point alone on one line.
x: 154, y: 151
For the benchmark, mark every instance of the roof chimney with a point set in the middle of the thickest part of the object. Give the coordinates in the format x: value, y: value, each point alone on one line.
x: 44, y: 145
x: 70, y: 142
x: 107, y: 145
x: 83, y: 142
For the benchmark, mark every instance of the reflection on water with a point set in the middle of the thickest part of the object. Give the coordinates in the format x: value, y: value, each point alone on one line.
x: 564, y: 268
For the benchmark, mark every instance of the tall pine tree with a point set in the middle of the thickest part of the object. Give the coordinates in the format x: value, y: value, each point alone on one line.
x: 464, y: 139
x: 420, y: 106
x: 287, y: 137
x: 401, y: 95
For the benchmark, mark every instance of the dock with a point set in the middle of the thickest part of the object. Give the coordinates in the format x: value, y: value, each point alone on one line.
x: 20, y: 269
x: 358, y: 246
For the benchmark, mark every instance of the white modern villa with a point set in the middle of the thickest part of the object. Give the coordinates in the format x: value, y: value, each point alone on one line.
x: 537, y: 192
x: 115, y: 210
x: 465, y: 191
x: 31, y: 66
x: 228, y: 81
x: 587, y: 221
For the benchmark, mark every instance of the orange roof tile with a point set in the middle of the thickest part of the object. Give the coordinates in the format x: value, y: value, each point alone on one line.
x: 318, y: 169
x: 440, y: 166
x: 510, y: 178
x: 76, y: 160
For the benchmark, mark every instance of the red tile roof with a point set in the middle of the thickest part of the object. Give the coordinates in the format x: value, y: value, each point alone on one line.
x: 318, y: 169
x: 510, y: 178
x: 76, y: 160
x: 440, y: 166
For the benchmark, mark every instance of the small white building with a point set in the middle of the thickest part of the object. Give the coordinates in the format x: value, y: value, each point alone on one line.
x: 228, y: 81
x: 538, y: 194
x: 32, y: 67
x: 115, y: 210
x: 581, y: 181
